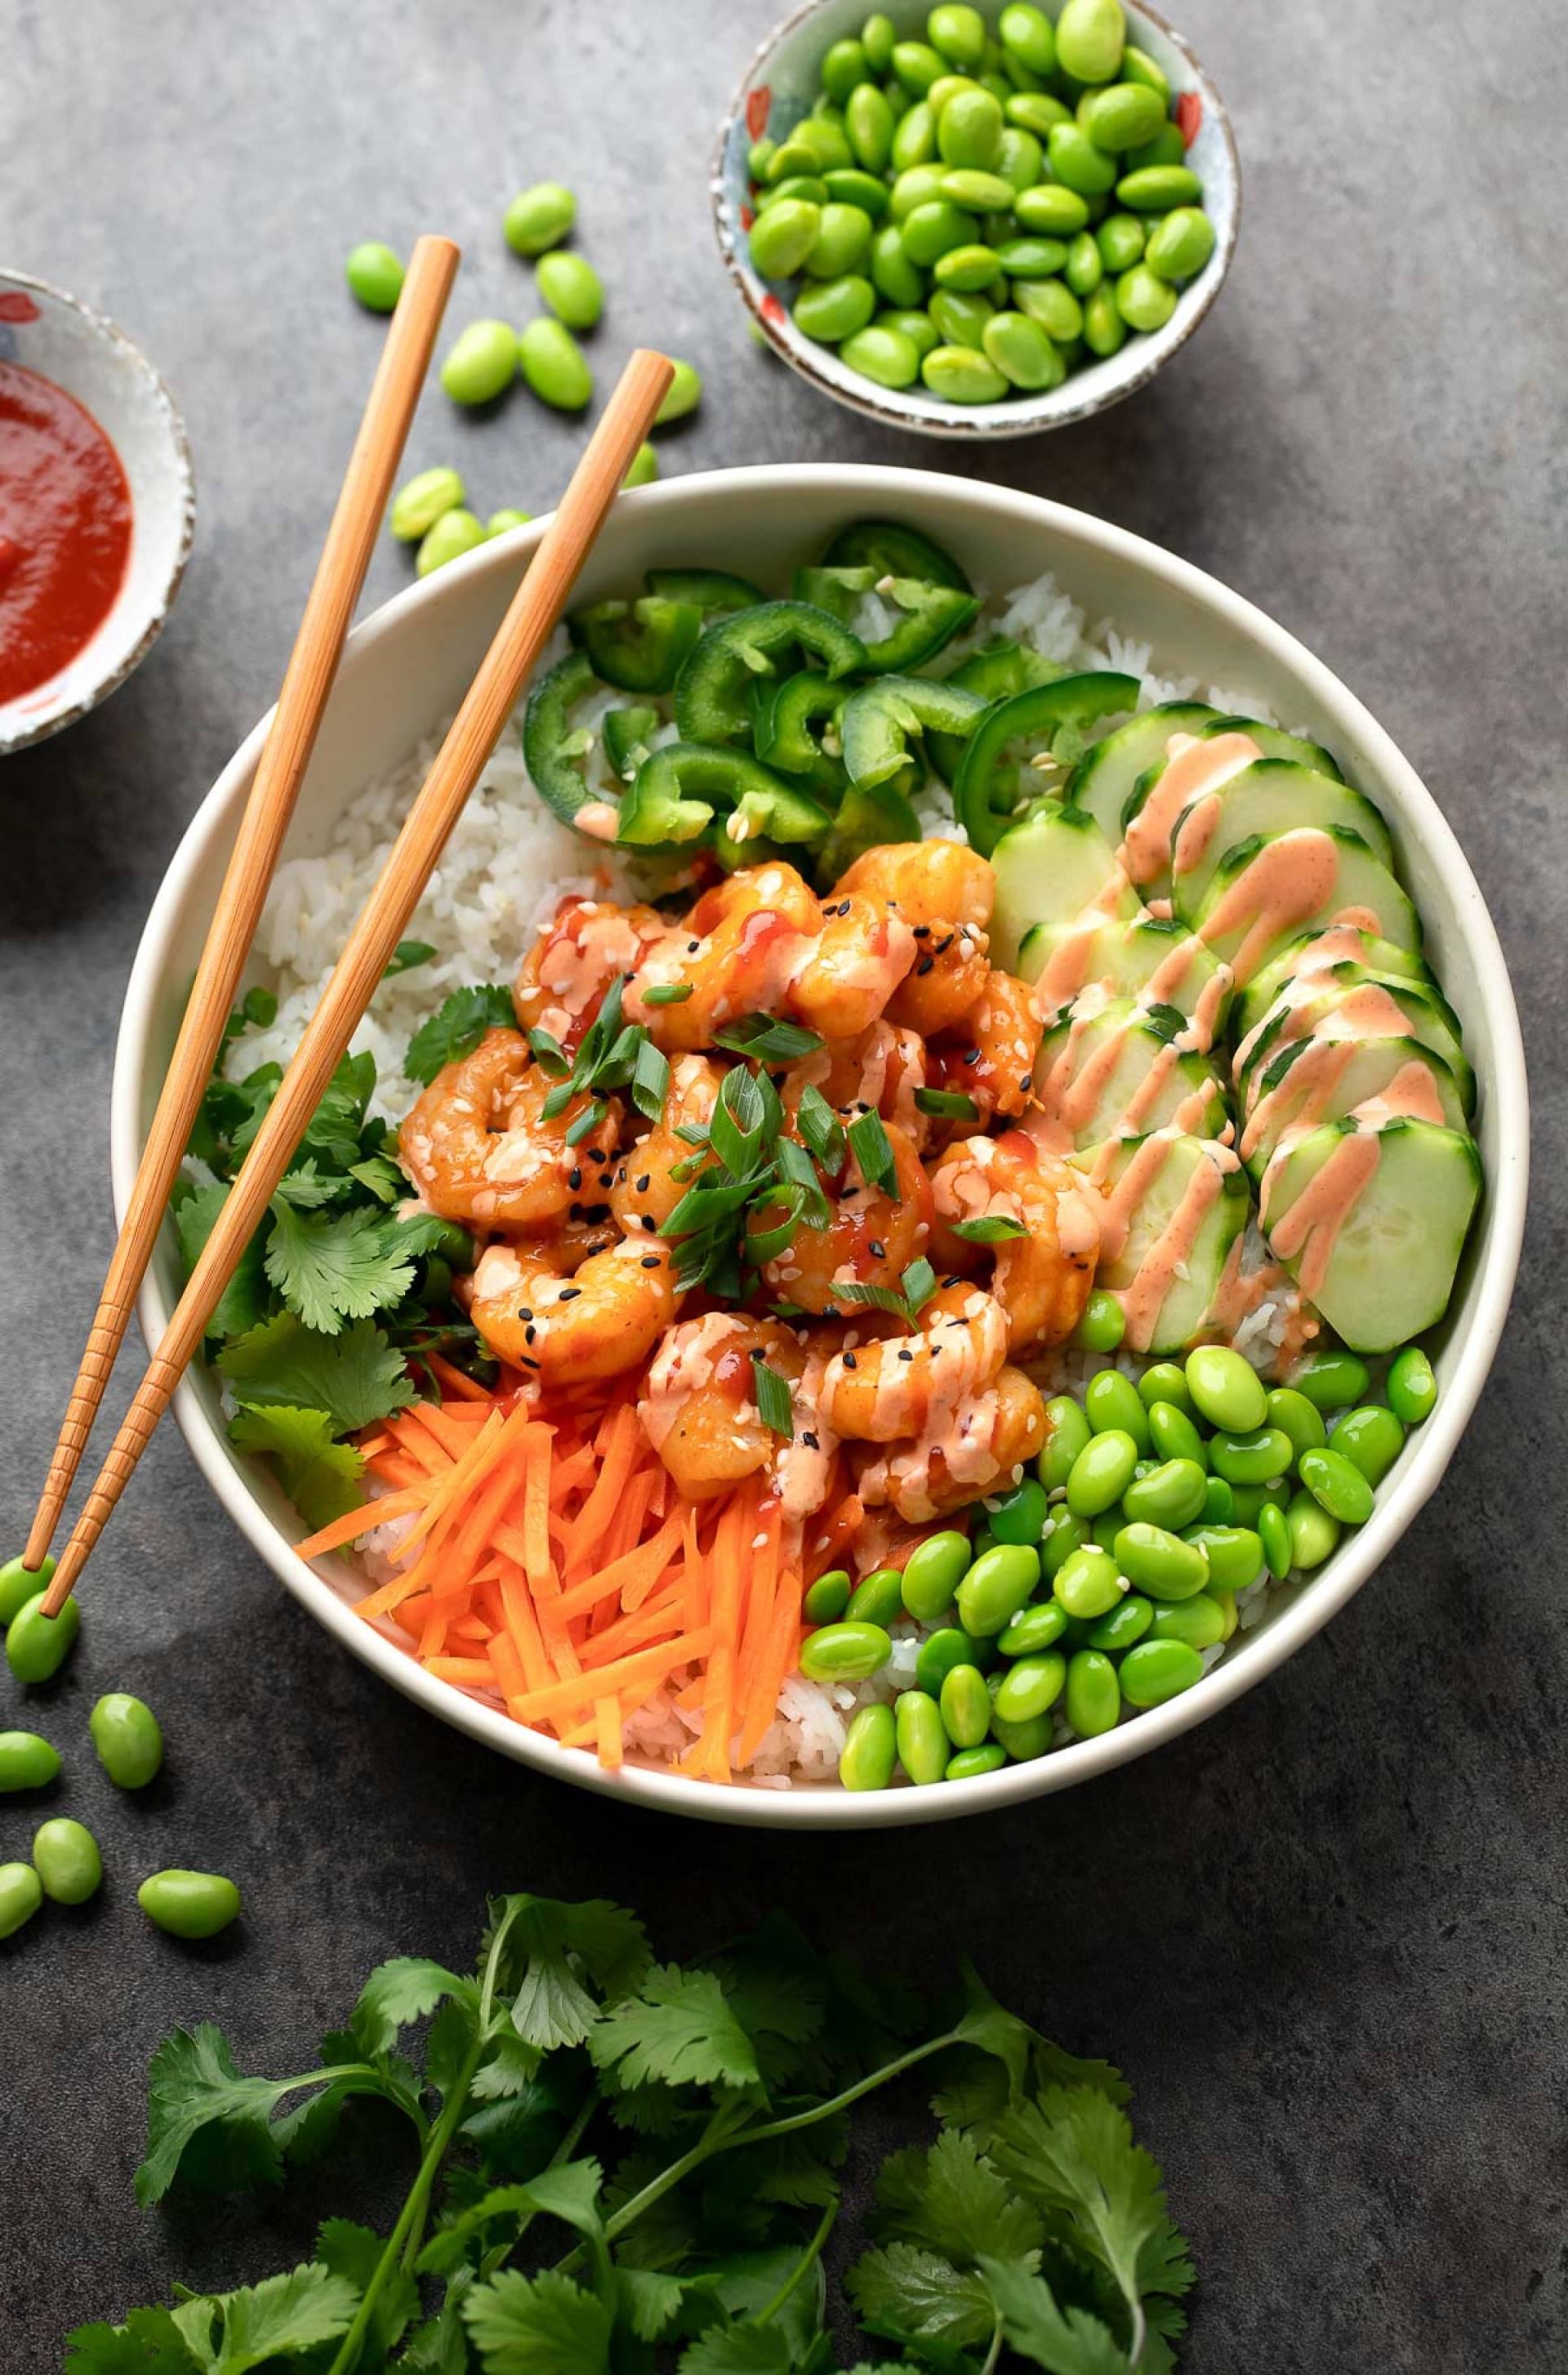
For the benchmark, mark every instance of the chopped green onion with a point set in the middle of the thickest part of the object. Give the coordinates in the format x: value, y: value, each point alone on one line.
x: 549, y: 1053
x: 406, y: 955
x: 946, y: 1105
x: 919, y: 1283
x: 650, y: 1079
x: 775, y: 1406
x: 868, y: 1143
x: 771, y: 1042
x: 585, y: 1124
x: 666, y: 993
x: 821, y: 1129
x: 876, y: 1298
x: 989, y: 1229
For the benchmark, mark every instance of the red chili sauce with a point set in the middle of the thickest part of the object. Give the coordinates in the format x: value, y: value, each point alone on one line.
x: 65, y: 529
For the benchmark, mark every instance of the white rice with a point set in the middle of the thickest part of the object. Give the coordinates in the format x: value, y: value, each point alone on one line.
x: 506, y: 867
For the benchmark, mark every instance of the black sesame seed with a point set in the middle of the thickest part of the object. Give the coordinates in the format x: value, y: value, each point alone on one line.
x: 645, y: 1183
x: 574, y: 1179
x: 926, y: 964
x: 953, y: 1281
x: 652, y: 1261
x: 849, y: 1360
x: 574, y: 1211
x: 880, y: 1252
x: 525, y: 1315
x: 944, y: 945
x: 692, y: 947
x: 972, y: 1056
x: 649, y: 1222
x: 529, y: 1334
x: 527, y: 1364
x: 921, y: 931
x: 906, y: 1356
x: 569, y: 1294
x: 810, y: 1442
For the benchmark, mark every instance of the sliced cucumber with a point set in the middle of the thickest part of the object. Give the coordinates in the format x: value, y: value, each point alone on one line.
x: 1120, y: 1074
x: 1103, y: 779
x: 1191, y: 1206
x: 1350, y: 1001
x: 1149, y: 954
x: 1391, y: 1266
x: 1275, y: 743
x: 1271, y: 796
x: 1314, y: 1077
x: 1315, y: 952
x: 1048, y: 869
x: 1258, y: 900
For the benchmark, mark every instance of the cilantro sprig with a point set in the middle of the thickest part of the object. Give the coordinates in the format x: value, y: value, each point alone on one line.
x: 620, y: 2164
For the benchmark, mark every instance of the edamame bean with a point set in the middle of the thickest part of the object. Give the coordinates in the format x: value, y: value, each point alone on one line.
x: 918, y: 328
x: 967, y: 268
x: 1104, y: 330
x: 1172, y: 1497
x: 1274, y: 1533
x: 1052, y: 211
x: 1120, y: 239
x: 845, y: 1652
x: 1020, y: 161
x: 1199, y: 1622
x: 823, y: 139
x: 759, y: 157
x: 22, y: 1894
x: 1251, y: 1459
x: 960, y: 317
x: 1089, y: 1583
x: 1110, y: 1401
x: 1122, y: 116
x: 1032, y: 259
x: 1054, y: 306
x: 416, y: 506
x: 1247, y: 1500
x: 1018, y: 1515
x: 503, y: 522
x: 917, y: 65
x: 1084, y: 270
x: 37, y: 1646
x: 374, y: 273
x: 921, y: 1736
x: 18, y: 1584
x: 1038, y: 1626
x: 454, y: 533
x: 962, y: 375
x: 1297, y: 1418
x: 1063, y: 1534
x: 1226, y: 1389
x: 1028, y: 34
x: 1161, y: 1563
x: 1158, y: 1671
x: 783, y: 237
x: 842, y: 242
x: 189, y: 1904
x: 931, y: 1575
x: 870, y: 125
x: 482, y: 364
x: 1165, y: 1382
x: 828, y: 1598
x: 1313, y: 1533
x: 570, y: 288
x: 1156, y: 189
x: 1070, y: 1432
x: 869, y: 1750
x: 1122, y: 1626
x: 981, y: 193
x: 877, y: 38
x: 878, y: 1599
x: 1029, y: 1686
x: 554, y: 364
x: 1173, y: 1436
x: 1023, y: 1741
x: 809, y: 186
x: 1234, y: 1555
x: 1219, y: 1502
x: 971, y: 1763
x: 1138, y: 66
x: 1370, y: 1438
x: 996, y: 1586
x: 965, y: 1705
x: 1410, y: 1385
x: 1091, y: 37
x: 893, y: 273
x: 959, y: 32
x: 941, y: 1652
x: 882, y: 354
x: 969, y: 130
x: 920, y: 186
x: 830, y: 311
x: 980, y: 1541
x: 539, y: 217
x: 1167, y: 148
x: 1022, y: 352
x: 1181, y: 244
x: 844, y: 68
x: 1332, y: 1381
x: 66, y: 1857
x: 1094, y: 1693
x: 914, y: 137
x: 1101, y: 1473
x: 26, y: 1762
x: 1076, y: 162
x: 933, y: 227
x: 644, y: 467
x: 129, y: 1741
x: 1337, y: 1485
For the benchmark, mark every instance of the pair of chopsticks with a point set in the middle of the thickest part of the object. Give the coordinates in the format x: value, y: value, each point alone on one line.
x: 532, y: 613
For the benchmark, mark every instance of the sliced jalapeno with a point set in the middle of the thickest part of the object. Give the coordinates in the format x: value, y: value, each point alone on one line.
x: 626, y: 733
x: 890, y: 549
x: 715, y: 591
x: 783, y: 735
x: 879, y: 719
x: 984, y: 801
x: 553, y: 748
x: 680, y: 790
x: 710, y: 692
x: 996, y: 673
x: 642, y: 645
x: 932, y: 614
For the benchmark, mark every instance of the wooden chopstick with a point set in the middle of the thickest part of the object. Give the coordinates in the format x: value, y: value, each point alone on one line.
x: 487, y: 704
x: 313, y: 665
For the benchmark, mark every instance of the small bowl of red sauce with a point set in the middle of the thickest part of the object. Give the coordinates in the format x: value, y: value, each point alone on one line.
x: 96, y: 508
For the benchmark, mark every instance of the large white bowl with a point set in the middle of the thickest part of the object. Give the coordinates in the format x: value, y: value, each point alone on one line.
x: 403, y: 673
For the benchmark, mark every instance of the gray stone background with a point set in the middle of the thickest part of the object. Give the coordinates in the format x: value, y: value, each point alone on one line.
x: 1325, y: 1933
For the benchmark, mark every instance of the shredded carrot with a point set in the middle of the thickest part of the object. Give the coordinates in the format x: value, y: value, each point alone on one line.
x: 363, y: 1520
x: 465, y: 1388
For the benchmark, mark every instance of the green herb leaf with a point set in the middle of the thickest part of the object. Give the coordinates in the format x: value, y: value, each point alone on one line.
x: 229, y: 2333
x: 767, y: 1039
x: 914, y: 2295
x: 406, y: 955
x: 244, y: 1302
x: 586, y: 1123
x: 355, y: 1377
x: 398, y: 1993
x: 457, y: 1027
x: 738, y: 2350
x: 775, y: 1405
x: 322, y: 1477
x: 521, y: 2326
x: 989, y: 1229
x: 354, y: 2253
x: 864, y: 1295
x: 919, y: 1285
x: 1071, y: 2151
x: 1066, y: 2342
x: 869, y: 1144
x: 679, y: 2029
x: 329, y: 1267
x: 557, y: 1951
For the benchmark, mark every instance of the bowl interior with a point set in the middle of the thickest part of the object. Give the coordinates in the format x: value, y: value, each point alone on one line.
x: 781, y: 84
x: 405, y: 672
x: 65, y: 341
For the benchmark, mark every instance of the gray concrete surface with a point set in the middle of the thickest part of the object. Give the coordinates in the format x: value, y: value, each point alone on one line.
x: 1325, y: 1935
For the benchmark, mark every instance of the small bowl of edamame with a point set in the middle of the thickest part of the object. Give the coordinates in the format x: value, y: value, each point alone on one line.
x: 976, y: 222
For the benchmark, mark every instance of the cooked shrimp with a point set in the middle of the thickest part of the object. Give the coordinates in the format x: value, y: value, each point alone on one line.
x: 644, y: 1194
x: 699, y: 1405
x: 989, y: 1053
x: 562, y: 981
x: 872, y: 1236
x: 736, y: 954
x: 842, y: 984
x: 479, y: 1149
x: 876, y: 1070
x: 981, y: 1443
x: 878, y: 1393
x: 1043, y: 1278
x: 944, y: 892
x: 606, y: 1317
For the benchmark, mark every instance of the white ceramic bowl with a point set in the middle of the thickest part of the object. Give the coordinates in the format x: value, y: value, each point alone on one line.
x: 778, y: 90
x: 405, y: 671
x: 65, y: 342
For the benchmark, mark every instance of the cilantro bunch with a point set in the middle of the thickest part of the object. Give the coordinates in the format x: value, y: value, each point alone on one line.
x: 623, y: 2166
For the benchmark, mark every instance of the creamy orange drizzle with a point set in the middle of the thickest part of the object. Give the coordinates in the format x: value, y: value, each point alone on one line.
x: 1290, y: 878
x: 1367, y: 1011
x: 1411, y: 1095
x: 1310, y: 1230
x: 1145, y: 1299
x: 1194, y: 772
x: 1066, y: 972
x: 1305, y: 1093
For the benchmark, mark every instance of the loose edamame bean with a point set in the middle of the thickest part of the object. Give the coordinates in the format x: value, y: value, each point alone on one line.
x: 918, y: 328
x: 26, y: 1762
x: 931, y: 1575
x: 1091, y: 37
x: 1172, y: 1497
x: 1094, y: 1693
x: 1274, y: 1533
x: 1226, y: 1389
x: 878, y: 1599
x: 1063, y: 1534
x: 1101, y: 1473
x: 482, y: 364
x: 1120, y: 239
x: 962, y: 375
x: 1173, y: 1436
x: 127, y: 1737
x: 941, y: 1652
x: 969, y: 130
x: 1219, y: 1502
x: 1332, y: 1381
x: 920, y: 186
x: 1337, y: 1485
x: 1028, y: 34
x: 921, y: 1736
x: 1084, y: 269
x: 1313, y: 1533
x: 1111, y: 1401
x: 18, y: 1584
x: 1029, y: 1686
x: 22, y: 1894
x: 877, y: 37
x: 454, y: 533
x: 967, y: 268
x: 1297, y: 1418
x: 1156, y: 189
x: 554, y: 364
x: 960, y: 317
x: 1023, y: 1741
x: 644, y: 467
x: 981, y: 193
x: 570, y: 288
x: 843, y: 69
x: 996, y: 1586
x: 416, y: 506
x: 1234, y: 1555
x: 914, y: 137
x: 845, y: 1652
x: 971, y: 1763
x: 1104, y: 330
x: 966, y: 1706
x: 189, y: 1904
x: 917, y: 65
x: 1076, y: 162
x: 37, y: 1646
x: 539, y: 217
x: 1120, y: 116
x: 1138, y: 66
x: 1248, y: 1500
x: 1181, y: 244
x: 1070, y: 1431
x: 1052, y: 211
x: 66, y: 1857
x: 783, y: 237
x: 1252, y: 1458
x: 869, y: 1750
x: 842, y: 242
x: 1410, y: 1387
x: 1158, y: 1671
x: 827, y: 1598
x: 1019, y: 1515
x: 503, y: 522
x: 1054, y: 306
x: 1159, y: 1563
x: 1022, y: 351
x: 934, y: 227
x: 1122, y: 1626
x: 1089, y: 1583
x: 958, y: 31
x: 869, y: 126
x: 830, y: 311
x: 1105, y: 1323
x: 893, y: 273
x: 1166, y: 1381
x: 1370, y: 1438
x: 1199, y: 1622
x: 374, y: 273
x: 1020, y: 161
x: 759, y: 157
x: 1038, y: 1626
x: 810, y: 186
